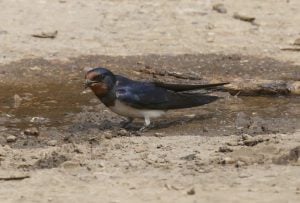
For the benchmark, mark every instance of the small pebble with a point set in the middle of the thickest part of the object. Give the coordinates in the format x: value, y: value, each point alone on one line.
x: 118, y: 146
x: 17, y: 101
x: 52, y: 143
x: 294, y: 87
x: 123, y: 132
x: 158, y: 134
x: 101, y: 164
x: 70, y: 164
x: 108, y: 136
x: 239, y: 164
x: 252, y: 142
x: 38, y: 120
x: 225, y: 149
x: 220, y: 8
x: 36, y: 68
x: 31, y: 131
x: 297, y: 41
x: 233, y: 143
x: 191, y: 192
x: 11, y: 138
x: 140, y: 149
x: 227, y: 160
x: 159, y: 146
x: 189, y: 157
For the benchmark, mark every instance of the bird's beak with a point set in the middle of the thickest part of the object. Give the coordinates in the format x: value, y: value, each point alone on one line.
x: 89, y: 83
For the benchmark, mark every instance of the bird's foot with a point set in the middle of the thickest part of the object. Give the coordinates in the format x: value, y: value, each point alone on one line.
x: 126, y: 123
x: 146, y: 125
x: 145, y: 128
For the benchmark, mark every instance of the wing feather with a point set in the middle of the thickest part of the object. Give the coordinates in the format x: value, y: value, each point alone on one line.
x: 145, y: 95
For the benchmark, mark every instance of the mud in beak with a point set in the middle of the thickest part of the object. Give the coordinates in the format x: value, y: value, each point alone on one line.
x: 89, y: 83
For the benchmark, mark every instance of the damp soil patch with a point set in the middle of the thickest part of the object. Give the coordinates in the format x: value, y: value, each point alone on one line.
x: 49, y: 95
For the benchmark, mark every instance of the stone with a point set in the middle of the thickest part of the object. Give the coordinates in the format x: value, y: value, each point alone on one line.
x: 227, y: 160
x: 32, y: 131
x: 239, y: 164
x: 297, y: 41
x: 140, y: 149
x: 17, y: 101
x: 294, y: 87
x: 191, y: 191
x: 11, y: 138
x: 220, y: 8
x: 123, y: 132
x: 38, y: 120
x: 225, y: 149
x: 70, y: 164
x: 252, y: 142
x: 108, y: 136
x: 52, y: 143
x: 189, y: 157
x: 158, y: 134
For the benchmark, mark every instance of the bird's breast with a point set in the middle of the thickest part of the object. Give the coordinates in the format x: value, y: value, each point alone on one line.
x: 100, y: 89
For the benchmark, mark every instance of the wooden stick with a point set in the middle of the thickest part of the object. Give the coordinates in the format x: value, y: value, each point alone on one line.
x: 168, y: 73
x: 263, y: 87
x: 20, y: 177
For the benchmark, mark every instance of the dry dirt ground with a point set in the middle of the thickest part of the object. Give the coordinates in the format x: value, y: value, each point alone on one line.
x: 59, y: 144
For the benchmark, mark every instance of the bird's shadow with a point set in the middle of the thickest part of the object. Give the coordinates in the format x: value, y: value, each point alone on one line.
x: 115, y: 124
x: 169, y: 122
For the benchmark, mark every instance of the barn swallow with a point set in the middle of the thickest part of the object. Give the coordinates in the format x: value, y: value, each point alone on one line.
x: 141, y: 99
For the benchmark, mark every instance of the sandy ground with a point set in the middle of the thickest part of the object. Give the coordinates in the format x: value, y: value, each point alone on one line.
x: 85, y: 157
x: 136, y: 27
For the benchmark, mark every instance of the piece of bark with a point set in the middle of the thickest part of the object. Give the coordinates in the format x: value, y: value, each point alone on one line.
x: 51, y: 35
x: 290, y: 49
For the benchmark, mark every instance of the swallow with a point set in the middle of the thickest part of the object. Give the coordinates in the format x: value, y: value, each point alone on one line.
x: 143, y: 99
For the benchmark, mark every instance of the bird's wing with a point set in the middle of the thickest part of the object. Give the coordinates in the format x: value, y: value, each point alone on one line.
x: 145, y: 95
x: 187, y: 87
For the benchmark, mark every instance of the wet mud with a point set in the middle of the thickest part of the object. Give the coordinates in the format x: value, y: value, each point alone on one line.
x: 48, y: 97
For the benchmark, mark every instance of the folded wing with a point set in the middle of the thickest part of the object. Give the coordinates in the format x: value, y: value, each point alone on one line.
x: 144, y: 95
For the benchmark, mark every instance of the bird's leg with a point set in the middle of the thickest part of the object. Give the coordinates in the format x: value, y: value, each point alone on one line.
x: 125, y: 124
x: 146, y: 124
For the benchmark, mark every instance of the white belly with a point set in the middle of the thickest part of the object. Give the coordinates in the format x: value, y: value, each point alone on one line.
x: 128, y: 111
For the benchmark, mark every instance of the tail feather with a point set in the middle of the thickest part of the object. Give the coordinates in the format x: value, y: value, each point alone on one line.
x: 182, y: 100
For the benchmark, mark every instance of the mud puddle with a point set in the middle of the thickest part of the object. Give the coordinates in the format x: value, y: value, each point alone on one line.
x: 48, y: 96
x: 50, y: 105
x: 68, y: 114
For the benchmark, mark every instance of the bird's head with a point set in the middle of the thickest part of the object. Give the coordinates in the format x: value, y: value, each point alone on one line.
x: 100, y: 80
